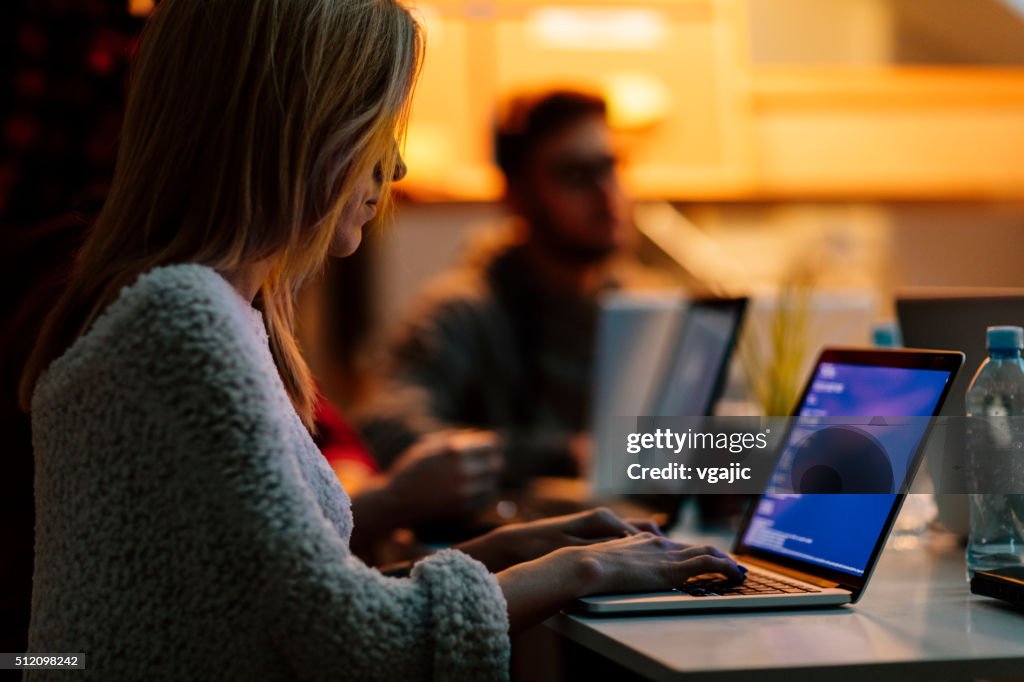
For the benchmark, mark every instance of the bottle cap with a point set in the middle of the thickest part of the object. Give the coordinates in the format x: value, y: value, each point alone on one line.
x: 887, y: 335
x: 1005, y: 338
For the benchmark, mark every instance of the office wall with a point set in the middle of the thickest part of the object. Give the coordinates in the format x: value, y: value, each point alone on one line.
x: 875, y: 246
x: 957, y: 244
x: 879, y: 32
x: 813, y: 32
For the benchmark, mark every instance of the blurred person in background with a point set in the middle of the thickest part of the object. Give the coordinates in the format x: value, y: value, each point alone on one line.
x: 506, y: 341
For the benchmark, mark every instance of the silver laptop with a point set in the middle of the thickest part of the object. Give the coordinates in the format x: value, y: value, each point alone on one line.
x: 694, y: 372
x: 662, y: 356
x: 819, y: 550
x: 635, y: 332
x: 955, y: 318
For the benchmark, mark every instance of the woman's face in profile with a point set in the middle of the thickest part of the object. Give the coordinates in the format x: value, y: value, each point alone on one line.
x: 360, y: 209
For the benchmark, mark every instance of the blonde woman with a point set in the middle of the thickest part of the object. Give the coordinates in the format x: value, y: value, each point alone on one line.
x: 187, y: 527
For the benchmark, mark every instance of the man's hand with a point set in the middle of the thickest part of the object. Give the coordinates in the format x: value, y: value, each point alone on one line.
x: 446, y: 474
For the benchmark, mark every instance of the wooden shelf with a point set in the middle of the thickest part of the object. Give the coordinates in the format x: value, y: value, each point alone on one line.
x: 731, y: 132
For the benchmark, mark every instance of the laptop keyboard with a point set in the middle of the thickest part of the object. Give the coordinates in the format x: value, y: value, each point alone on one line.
x: 755, y: 584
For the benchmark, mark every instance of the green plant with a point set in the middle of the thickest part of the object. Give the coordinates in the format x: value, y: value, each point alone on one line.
x: 773, y: 365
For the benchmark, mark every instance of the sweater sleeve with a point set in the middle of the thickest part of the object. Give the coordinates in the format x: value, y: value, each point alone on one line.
x: 325, y: 613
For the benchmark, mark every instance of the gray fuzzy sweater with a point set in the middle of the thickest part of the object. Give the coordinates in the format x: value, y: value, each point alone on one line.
x: 188, y: 527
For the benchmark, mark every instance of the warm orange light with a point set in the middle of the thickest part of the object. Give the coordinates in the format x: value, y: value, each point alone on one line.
x: 430, y: 18
x: 140, y: 8
x: 636, y: 100
x: 597, y: 28
x: 428, y: 150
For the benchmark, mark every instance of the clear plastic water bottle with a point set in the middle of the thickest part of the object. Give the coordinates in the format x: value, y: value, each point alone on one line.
x: 995, y: 436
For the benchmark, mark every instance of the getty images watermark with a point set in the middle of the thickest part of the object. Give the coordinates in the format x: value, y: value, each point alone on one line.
x: 809, y: 455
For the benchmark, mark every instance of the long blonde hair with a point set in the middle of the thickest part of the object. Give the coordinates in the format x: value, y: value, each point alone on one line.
x: 247, y: 126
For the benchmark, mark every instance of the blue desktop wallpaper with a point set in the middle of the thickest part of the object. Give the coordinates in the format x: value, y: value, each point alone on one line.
x: 840, y: 531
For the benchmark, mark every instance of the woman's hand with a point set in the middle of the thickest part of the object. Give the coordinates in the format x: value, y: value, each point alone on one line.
x: 637, y: 563
x: 520, y: 542
x: 647, y: 563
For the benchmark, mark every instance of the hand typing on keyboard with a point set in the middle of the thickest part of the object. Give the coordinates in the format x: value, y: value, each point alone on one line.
x: 755, y: 584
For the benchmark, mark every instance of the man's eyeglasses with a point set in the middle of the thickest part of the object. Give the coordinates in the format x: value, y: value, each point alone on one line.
x: 583, y: 174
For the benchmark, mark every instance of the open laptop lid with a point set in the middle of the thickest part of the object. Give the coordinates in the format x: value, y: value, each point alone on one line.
x: 956, y: 318
x: 635, y: 332
x: 697, y: 363
x: 840, y: 537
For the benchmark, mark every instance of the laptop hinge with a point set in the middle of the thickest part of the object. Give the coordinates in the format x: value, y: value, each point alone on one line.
x: 785, y: 570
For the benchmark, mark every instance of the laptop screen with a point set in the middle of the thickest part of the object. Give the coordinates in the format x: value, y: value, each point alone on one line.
x: 958, y: 319
x: 698, y: 359
x: 840, y: 532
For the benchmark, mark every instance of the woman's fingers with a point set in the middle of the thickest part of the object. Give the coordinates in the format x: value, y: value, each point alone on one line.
x: 598, y: 523
x: 604, y: 523
x: 651, y: 562
x: 706, y: 563
x: 645, y: 525
x: 698, y: 550
x: 642, y: 542
x: 686, y: 562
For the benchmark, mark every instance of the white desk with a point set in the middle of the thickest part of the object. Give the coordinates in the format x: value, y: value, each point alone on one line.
x: 917, y: 621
